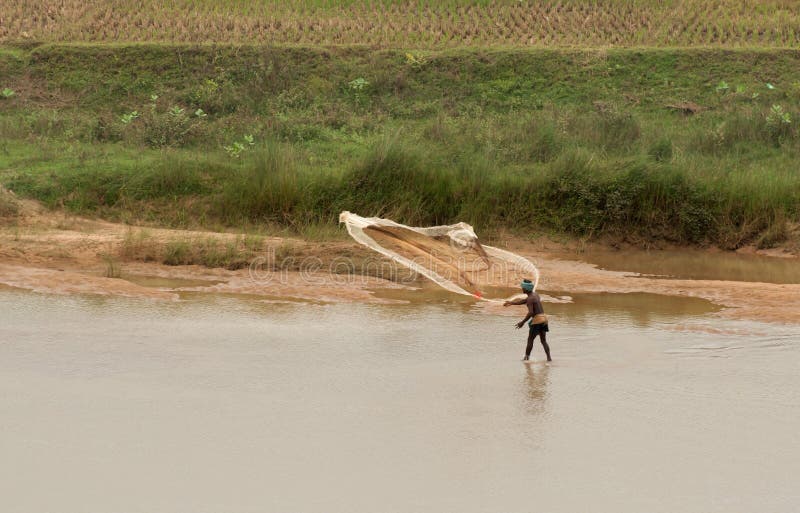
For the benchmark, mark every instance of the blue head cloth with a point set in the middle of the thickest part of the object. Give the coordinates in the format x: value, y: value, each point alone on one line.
x: 527, y: 285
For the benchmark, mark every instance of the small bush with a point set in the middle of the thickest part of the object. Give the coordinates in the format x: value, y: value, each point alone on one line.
x: 213, y: 97
x: 779, y: 125
x: 171, y: 128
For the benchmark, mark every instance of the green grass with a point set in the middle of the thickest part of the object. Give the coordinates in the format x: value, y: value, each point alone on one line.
x: 571, y: 141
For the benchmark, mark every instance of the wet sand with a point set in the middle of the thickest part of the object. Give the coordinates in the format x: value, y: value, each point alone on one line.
x: 48, y: 253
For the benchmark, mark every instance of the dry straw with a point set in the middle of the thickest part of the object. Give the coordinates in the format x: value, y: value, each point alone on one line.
x: 422, y: 23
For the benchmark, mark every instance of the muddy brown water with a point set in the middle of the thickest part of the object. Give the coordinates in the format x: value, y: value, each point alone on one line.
x: 697, y: 265
x: 220, y: 404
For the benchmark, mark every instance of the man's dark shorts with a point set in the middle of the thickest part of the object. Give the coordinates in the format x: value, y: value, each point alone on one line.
x: 535, y: 329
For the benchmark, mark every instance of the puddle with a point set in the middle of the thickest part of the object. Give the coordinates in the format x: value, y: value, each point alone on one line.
x: 640, y: 308
x: 698, y: 265
x: 637, y: 308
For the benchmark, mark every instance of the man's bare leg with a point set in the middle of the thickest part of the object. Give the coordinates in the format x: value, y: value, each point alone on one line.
x: 543, y: 339
x: 528, y: 349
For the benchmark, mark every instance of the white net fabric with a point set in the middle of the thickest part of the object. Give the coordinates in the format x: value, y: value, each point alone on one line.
x: 450, y: 255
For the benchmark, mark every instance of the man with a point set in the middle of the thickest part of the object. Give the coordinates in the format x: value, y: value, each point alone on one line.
x: 538, y: 320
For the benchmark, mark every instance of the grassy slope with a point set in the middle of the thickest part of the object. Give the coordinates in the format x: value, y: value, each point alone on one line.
x: 528, y: 139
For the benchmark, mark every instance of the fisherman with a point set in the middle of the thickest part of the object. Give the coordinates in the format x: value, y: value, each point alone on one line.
x: 537, y: 319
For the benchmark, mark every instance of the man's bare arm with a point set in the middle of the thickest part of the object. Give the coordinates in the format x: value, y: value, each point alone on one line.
x: 521, y: 323
x: 520, y: 301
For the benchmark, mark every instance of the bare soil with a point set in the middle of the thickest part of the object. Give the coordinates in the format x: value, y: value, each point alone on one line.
x: 51, y: 252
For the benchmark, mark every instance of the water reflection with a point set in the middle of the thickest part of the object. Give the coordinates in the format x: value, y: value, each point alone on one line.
x: 535, y: 383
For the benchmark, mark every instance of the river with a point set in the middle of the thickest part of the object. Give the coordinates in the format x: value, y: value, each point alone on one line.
x: 226, y: 404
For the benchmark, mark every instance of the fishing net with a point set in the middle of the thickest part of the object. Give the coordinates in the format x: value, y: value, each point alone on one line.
x: 450, y: 255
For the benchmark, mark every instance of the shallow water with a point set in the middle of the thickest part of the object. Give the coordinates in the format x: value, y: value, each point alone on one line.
x: 697, y: 265
x: 229, y: 405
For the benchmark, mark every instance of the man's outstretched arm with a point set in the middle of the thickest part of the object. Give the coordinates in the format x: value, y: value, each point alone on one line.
x: 520, y: 301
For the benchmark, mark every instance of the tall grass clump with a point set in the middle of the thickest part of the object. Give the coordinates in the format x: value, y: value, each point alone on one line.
x: 756, y: 202
x: 268, y: 186
x: 171, y: 177
x: 632, y: 196
x: 397, y: 181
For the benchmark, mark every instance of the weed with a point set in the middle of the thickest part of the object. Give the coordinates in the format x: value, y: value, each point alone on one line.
x: 235, y: 149
x: 416, y: 59
x: 358, y: 88
x: 112, y: 267
x: 177, y: 252
x: 139, y: 245
x: 129, y: 117
x: 779, y: 123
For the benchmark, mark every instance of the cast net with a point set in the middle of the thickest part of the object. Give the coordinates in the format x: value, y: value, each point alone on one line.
x: 450, y: 255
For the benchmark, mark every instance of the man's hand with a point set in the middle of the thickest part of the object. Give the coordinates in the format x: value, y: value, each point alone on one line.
x: 520, y: 324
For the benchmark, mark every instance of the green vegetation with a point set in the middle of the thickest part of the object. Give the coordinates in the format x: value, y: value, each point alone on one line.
x: 693, y: 146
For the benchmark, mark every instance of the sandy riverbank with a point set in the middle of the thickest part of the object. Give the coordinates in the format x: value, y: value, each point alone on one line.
x: 49, y: 252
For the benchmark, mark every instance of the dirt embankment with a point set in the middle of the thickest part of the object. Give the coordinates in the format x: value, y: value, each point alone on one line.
x: 50, y: 252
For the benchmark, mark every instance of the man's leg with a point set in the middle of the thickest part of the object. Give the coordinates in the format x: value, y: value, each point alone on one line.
x: 528, y: 349
x: 543, y: 338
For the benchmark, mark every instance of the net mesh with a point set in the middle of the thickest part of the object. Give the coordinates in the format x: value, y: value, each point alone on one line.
x: 450, y: 255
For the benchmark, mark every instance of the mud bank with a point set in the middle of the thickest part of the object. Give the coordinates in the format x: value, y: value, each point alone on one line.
x: 47, y: 252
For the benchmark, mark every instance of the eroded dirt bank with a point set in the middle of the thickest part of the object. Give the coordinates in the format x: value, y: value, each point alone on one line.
x: 48, y: 252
